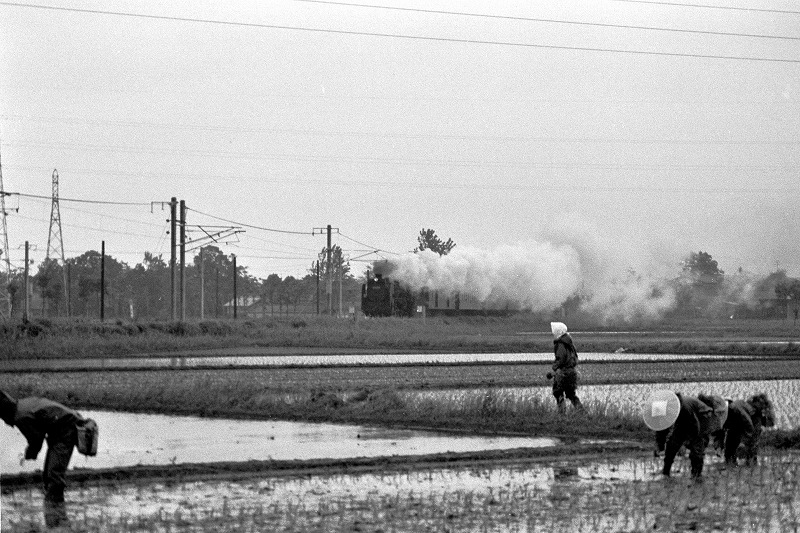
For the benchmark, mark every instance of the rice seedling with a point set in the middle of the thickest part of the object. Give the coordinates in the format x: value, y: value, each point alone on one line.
x: 613, y: 494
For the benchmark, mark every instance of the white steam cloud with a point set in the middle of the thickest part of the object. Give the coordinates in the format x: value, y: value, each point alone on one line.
x: 615, y: 280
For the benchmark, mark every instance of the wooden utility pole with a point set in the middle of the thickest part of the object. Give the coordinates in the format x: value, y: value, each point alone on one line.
x: 202, y: 286
x: 173, y: 206
x: 317, y: 286
x: 329, y: 277
x: 235, y: 299
x: 103, y: 281
x: 182, y: 286
x: 27, y: 307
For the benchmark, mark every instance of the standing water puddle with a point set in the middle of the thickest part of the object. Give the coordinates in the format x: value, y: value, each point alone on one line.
x: 128, y: 439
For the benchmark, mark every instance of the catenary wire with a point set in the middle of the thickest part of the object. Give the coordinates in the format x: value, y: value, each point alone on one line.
x: 405, y: 37
x: 549, y: 21
x: 262, y: 228
x: 708, y: 6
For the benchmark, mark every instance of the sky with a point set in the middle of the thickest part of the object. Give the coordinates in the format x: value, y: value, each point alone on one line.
x: 648, y: 130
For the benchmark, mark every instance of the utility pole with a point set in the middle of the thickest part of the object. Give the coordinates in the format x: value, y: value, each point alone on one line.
x: 103, y: 281
x: 317, y: 286
x: 329, y: 280
x: 235, y: 298
x: 216, y: 293
x: 202, y: 286
x: 26, y: 309
x: 173, y: 206
x: 5, y: 259
x: 182, y: 287
x: 329, y: 265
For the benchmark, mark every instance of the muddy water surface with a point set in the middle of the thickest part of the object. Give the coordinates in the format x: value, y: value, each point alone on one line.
x: 128, y: 439
x: 255, y: 360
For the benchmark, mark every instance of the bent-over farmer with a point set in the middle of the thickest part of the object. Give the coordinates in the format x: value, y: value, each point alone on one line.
x: 681, y: 420
x: 746, y: 418
x: 40, y: 419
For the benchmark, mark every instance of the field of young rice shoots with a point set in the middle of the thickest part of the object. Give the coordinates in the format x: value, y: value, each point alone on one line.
x: 624, y: 400
x: 575, y: 495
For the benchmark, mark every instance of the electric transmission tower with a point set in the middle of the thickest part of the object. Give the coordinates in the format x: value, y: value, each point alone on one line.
x: 55, y: 241
x: 5, y: 260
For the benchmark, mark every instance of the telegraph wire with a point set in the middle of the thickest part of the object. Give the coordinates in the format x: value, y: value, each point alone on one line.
x: 404, y: 37
x: 249, y: 225
x: 551, y: 21
x: 80, y: 200
x: 462, y: 163
x: 707, y: 6
x: 371, y: 134
x: 89, y: 228
x: 367, y: 245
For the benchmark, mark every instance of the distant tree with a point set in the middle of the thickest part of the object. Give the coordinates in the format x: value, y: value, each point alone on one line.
x: 269, y: 292
x: 428, y: 240
x: 86, y: 275
x: 50, y: 280
x: 702, y: 267
x: 788, y: 288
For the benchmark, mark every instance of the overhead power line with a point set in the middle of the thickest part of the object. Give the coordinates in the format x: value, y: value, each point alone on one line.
x: 552, y: 21
x: 249, y: 225
x: 402, y: 36
x: 356, y: 133
x: 708, y: 6
x: 80, y: 200
x: 367, y: 245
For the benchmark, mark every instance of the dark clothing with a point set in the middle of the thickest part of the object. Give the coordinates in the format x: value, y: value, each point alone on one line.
x: 566, y: 355
x: 692, y: 428
x: 40, y: 419
x: 743, y: 427
x: 565, y: 377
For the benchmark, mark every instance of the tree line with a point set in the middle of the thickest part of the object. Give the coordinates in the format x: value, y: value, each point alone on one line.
x: 143, y: 291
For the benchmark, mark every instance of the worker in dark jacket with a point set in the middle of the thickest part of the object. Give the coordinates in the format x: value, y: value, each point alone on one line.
x: 743, y: 426
x: 697, y: 420
x: 40, y: 419
x: 564, y: 375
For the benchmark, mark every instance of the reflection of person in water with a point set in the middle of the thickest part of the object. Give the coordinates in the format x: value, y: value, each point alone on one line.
x: 565, y: 375
x: 40, y: 419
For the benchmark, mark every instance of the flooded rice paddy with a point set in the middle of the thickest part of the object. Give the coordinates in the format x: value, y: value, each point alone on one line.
x: 252, y: 360
x: 577, y: 495
x: 128, y: 439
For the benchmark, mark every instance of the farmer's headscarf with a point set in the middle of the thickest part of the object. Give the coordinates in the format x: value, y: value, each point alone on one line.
x: 559, y: 329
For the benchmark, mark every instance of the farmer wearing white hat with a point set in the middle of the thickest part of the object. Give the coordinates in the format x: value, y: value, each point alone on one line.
x: 684, y: 420
x: 565, y: 376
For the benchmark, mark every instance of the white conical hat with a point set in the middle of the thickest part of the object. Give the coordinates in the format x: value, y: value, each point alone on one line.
x: 661, y: 410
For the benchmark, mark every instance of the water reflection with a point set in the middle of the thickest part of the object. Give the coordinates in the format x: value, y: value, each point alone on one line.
x: 128, y: 439
x: 324, y: 360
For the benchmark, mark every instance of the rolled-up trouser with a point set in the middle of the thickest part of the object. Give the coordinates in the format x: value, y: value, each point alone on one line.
x: 54, y: 476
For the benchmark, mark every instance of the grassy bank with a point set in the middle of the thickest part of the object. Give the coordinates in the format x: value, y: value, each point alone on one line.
x: 485, y: 412
x: 44, y: 338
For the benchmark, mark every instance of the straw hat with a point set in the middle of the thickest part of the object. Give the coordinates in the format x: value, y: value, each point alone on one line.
x: 661, y: 410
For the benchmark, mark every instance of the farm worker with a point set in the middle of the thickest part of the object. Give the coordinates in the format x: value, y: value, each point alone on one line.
x: 744, y: 424
x: 39, y: 419
x: 684, y: 421
x: 564, y: 375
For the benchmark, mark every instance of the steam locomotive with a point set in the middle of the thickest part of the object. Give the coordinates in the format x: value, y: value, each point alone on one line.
x: 382, y: 296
